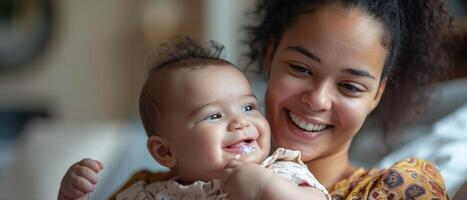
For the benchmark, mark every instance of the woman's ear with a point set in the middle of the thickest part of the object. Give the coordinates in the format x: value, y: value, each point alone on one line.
x: 159, y: 149
x: 379, y: 93
x: 268, y: 60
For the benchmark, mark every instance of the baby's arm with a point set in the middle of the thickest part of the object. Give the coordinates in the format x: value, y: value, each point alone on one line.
x: 80, y: 180
x: 252, y: 181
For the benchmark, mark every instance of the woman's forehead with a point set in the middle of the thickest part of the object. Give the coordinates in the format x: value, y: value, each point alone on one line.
x: 335, y: 20
x: 336, y: 39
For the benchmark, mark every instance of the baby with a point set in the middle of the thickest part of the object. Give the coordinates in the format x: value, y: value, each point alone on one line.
x: 203, y: 123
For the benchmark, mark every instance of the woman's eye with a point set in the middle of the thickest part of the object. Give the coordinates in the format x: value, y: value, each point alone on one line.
x: 300, y: 69
x: 214, y: 116
x: 351, y: 88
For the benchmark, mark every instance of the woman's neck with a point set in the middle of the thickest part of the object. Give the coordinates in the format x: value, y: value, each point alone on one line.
x: 331, y: 169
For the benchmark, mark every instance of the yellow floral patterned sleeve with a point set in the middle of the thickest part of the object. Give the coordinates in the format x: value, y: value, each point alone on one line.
x: 406, y: 179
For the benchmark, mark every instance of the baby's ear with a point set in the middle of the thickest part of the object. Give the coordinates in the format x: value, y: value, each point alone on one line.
x: 160, y: 151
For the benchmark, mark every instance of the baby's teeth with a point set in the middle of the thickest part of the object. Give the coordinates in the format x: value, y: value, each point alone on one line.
x: 247, y: 149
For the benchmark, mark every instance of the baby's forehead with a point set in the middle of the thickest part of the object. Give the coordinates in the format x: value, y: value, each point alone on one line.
x: 175, y: 75
x: 183, y: 78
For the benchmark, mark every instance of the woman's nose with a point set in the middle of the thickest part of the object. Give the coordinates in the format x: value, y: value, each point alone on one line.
x: 317, y: 98
x: 238, y: 123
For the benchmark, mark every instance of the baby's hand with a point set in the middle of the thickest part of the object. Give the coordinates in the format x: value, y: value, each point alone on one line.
x: 243, y: 180
x: 80, y: 180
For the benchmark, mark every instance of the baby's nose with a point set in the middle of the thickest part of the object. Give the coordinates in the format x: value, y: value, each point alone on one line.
x: 238, y: 124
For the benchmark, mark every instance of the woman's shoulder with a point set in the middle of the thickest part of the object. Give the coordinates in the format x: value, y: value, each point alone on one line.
x: 407, y: 179
x: 414, y: 178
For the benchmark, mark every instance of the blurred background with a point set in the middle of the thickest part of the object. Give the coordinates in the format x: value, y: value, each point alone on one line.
x: 71, y: 72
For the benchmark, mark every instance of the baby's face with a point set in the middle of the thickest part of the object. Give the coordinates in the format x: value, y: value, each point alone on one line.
x: 209, y: 116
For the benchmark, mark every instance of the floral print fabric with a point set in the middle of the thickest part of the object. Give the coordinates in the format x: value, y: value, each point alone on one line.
x: 407, y: 179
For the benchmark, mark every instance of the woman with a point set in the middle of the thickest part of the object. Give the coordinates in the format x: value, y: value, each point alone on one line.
x: 329, y: 64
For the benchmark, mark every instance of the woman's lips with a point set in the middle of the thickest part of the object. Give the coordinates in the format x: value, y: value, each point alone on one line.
x: 306, y: 125
x: 316, y: 130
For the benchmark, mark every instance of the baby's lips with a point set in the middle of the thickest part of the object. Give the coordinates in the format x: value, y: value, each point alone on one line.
x: 252, y: 134
x: 232, y: 144
x: 242, y: 147
x: 242, y: 136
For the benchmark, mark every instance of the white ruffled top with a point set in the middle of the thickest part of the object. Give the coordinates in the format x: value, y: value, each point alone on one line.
x: 286, y: 163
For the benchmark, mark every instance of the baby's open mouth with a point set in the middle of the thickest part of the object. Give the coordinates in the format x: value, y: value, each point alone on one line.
x: 242, y: 147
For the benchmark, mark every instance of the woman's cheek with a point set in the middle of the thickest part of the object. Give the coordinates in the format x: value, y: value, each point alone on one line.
x: 286, y: 86
x: 351, y: 114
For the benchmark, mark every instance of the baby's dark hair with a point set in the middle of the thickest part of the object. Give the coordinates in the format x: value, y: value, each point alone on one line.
x: 182, y: 52
x: 415, y: 35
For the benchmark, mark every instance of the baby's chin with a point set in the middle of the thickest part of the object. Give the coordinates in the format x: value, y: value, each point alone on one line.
x: 256, y: 156
x: 217, y: 171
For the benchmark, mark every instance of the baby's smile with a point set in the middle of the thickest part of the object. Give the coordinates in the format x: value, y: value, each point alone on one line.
x: 245, y: 146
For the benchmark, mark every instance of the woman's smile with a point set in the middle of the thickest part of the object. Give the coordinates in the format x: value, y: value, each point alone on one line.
x: 306, y: 129
x: 311, y: 125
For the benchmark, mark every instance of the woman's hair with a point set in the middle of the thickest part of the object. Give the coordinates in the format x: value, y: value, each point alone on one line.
x: 415, y: 35
x: 181, y: 52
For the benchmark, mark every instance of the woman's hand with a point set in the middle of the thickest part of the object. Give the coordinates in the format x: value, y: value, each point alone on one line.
x: 80, y: 180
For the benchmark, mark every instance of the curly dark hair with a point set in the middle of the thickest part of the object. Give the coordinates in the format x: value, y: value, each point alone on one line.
x: 416, y: 34
x: 182, y: 52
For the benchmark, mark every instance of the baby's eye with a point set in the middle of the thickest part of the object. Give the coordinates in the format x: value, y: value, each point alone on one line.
x: 214, y: 116
x: 248, y: 107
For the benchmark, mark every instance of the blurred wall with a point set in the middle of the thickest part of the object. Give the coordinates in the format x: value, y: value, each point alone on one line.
x: 95, y: 63
x: 223, y: 21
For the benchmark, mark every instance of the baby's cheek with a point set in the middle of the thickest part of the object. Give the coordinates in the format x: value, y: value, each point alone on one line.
x: 210, y: 162
x: 264, y: 143
x: 264, y: 151
x: 265, y: 137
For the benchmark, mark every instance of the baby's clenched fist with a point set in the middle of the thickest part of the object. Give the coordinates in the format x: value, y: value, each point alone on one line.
x: 80, y: 180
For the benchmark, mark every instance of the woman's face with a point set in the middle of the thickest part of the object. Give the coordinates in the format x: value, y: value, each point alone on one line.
x: 324, y: 79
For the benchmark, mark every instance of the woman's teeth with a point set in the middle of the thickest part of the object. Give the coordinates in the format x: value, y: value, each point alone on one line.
x: 306, y: 126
